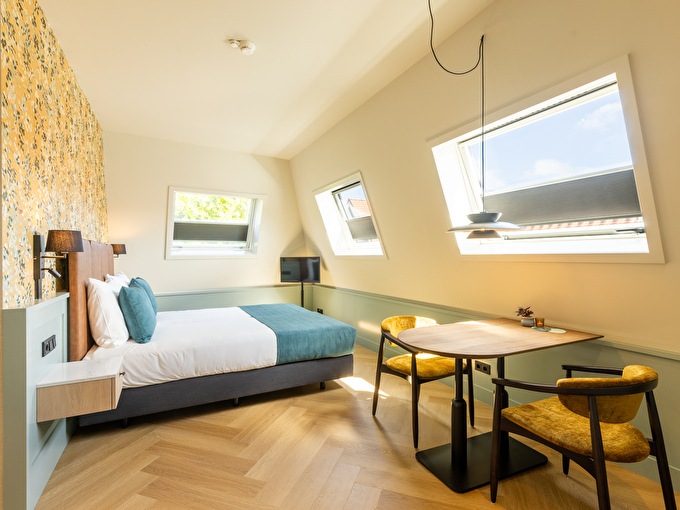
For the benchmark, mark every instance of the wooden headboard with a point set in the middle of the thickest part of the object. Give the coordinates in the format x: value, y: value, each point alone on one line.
x: 95, y: 261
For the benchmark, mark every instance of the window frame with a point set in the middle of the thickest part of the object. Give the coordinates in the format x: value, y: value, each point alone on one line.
x: 462, y: 196
x: 336, y: 223
x: 205, y: 252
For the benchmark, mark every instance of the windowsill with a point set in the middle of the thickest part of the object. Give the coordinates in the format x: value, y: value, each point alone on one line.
x: 362, y: 255
x: 625, y: 249
x: 211, y: 256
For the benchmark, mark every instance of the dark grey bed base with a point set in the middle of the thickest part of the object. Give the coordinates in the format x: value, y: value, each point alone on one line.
x: 215, y: 388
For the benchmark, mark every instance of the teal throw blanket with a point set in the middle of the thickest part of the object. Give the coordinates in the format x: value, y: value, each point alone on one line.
x: 303, y: 335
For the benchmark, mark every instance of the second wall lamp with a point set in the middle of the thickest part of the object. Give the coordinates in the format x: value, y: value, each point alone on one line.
x: 118, y: 249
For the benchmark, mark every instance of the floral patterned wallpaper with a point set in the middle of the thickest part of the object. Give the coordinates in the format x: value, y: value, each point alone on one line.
x: 52, y: 149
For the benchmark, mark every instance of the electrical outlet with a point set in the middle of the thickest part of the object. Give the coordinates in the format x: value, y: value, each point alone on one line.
x: 320, y: 310
x: 482, y: 367
x: 49, y: 345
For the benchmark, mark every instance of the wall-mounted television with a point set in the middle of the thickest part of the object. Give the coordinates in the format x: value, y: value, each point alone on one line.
x: 301, y: 269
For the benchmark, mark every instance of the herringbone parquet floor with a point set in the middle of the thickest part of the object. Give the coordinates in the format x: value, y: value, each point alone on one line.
x: 304, y: 449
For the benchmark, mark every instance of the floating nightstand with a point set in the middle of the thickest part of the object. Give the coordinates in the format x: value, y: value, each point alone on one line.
x: 79, y: 387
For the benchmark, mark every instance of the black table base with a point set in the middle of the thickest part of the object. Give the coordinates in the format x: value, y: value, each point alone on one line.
x: 476, y: 474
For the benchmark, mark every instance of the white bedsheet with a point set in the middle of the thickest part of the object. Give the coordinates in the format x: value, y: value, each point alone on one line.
x: 194, y: 343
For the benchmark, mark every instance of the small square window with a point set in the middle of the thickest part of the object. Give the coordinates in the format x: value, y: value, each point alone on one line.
x: 212, y: 223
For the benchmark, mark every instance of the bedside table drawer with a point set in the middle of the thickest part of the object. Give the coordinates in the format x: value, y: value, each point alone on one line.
x: 80, y: 387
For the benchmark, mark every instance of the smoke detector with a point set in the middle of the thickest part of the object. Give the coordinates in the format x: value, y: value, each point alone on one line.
x: 244, y: 45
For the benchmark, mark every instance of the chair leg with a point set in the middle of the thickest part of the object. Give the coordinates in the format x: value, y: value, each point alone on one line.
x: 378, y: 373
x: 415, y: 397
x: 495, y: 448
x: 376, y: 391
x: 600, y: 468
x: 471, y: 394
x: 602, y: 485
x: 659, y: 451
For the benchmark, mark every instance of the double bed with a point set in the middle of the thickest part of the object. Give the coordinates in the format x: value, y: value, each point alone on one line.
x: 270, y: 347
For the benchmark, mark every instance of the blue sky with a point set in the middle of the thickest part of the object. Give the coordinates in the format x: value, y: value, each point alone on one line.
x: 588, y: 138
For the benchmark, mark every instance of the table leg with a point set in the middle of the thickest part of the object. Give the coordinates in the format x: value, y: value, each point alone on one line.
x: 464, y: 464
x: 505, y: 437
x: 459, y: 420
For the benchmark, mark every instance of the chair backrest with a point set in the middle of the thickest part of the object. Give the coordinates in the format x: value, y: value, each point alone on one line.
x: 398, y: 323
x: 610, y: 408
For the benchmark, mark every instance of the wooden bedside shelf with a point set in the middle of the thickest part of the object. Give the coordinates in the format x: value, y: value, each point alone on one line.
x: 79, y: 387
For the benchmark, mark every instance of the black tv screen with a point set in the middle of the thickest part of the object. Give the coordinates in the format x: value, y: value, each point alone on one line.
x: 301, y: 269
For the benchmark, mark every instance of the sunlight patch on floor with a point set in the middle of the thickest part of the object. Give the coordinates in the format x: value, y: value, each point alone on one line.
x: 359, y: 384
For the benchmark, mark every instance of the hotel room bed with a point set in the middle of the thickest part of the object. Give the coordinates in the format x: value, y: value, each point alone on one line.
x: 270, y: 347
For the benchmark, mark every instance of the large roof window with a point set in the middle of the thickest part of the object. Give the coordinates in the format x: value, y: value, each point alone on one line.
x: 569, y: 169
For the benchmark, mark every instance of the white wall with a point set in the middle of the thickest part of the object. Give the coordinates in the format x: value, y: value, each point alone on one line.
x: 530, y: 45
x: 138, y: 173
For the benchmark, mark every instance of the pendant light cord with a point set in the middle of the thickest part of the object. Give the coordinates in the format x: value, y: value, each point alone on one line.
x: 483, y: 148
x: 479, y: 63
x: 434, y: 53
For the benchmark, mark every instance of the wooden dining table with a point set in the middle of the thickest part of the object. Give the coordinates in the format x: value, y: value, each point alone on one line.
x: 464, y: 463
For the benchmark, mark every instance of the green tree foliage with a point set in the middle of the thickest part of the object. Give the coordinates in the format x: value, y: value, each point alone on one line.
x: 205, y: 207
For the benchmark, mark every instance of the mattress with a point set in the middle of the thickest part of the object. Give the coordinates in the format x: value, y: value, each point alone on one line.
x: 195, y: 343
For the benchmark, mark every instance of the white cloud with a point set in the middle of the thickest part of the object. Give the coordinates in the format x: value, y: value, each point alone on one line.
x: 605, y: 116
x: 547, y: 168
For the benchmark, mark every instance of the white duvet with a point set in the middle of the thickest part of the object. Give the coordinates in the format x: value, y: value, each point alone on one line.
x: 193, y: 343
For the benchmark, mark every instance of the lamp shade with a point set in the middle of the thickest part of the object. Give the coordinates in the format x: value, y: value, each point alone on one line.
x: 119, y: 249
x: 484, y: 225
x: 64, y: 241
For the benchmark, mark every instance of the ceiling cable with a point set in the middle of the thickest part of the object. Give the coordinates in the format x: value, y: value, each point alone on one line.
x: 484, y: 224
x: 434, y: 53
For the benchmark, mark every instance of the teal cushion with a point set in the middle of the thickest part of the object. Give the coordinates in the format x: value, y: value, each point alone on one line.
x: 143, y: 284
x: 138, y: 312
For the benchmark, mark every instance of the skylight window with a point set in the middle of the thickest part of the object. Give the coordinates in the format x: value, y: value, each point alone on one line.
x: 570, y: 170
x: 205, y: 224
x: 347, y: 217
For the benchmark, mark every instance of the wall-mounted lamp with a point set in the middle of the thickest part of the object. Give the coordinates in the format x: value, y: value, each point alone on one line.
x: 63, y: 241
x: 118, y: 249
x: 59, y: 242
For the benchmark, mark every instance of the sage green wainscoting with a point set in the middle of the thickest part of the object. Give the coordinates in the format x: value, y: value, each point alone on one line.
x: 365, y: 312
x: 236, y: 296
x: 31, y: 449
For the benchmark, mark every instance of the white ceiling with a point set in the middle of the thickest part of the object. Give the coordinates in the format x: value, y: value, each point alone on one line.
x: 162, y: 68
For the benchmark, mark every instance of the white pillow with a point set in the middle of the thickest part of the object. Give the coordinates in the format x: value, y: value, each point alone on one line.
x: 106, y: 319
x: 117, y: 281
x: 120, y: 275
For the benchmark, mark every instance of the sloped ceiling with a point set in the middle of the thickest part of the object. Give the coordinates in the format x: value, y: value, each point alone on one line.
x: 163, y: 68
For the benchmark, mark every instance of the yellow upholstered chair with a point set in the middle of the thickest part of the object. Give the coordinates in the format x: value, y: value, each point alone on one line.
x: 427, y: 367
x: 587, y: 421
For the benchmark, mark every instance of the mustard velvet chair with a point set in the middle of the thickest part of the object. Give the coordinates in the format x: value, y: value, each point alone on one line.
x: 427, y: 367
x: 587, y: 422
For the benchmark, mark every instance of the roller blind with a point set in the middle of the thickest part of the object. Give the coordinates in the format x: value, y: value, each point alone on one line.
x: 362, y: 229
x: 199, y: 231
x: 600, y: 197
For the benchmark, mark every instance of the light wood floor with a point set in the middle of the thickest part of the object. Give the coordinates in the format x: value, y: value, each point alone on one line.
x: 304, y: 449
